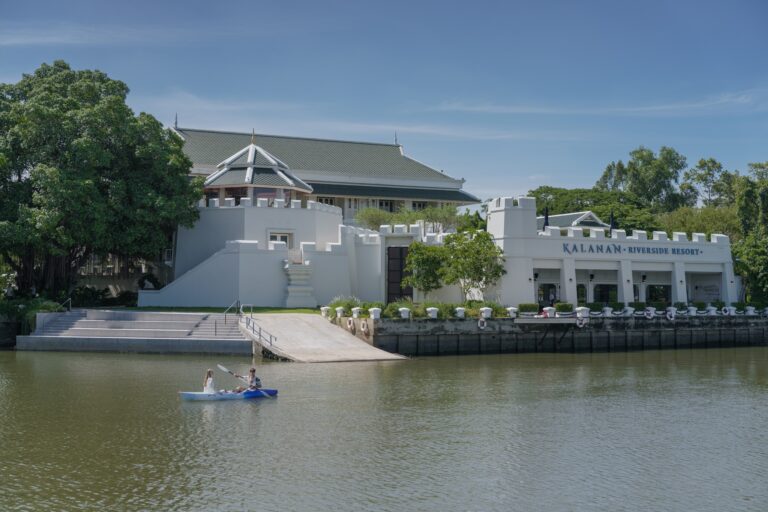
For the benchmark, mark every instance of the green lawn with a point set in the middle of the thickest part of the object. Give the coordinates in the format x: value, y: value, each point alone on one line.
x: 221, y: 310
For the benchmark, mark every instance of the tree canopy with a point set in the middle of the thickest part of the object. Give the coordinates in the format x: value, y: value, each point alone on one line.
x: 80, y: 173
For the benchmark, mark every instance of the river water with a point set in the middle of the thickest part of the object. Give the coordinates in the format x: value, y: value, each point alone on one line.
x: 670, y: 430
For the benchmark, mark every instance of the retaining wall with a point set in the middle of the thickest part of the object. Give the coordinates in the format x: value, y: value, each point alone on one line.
x: 427, y: 337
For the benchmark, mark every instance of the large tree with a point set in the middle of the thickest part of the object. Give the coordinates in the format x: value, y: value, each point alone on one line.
x: 473, y: 261
x: 80, y: 173
x: 652, y: 178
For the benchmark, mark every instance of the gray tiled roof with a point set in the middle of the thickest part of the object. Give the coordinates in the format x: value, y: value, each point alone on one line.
x: 208, y: 148
x: 329, y: 189
x: 565, y: 220
x: 262, y: 176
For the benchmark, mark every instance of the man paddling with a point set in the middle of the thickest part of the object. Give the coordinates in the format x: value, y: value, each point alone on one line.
x: 251, y: 380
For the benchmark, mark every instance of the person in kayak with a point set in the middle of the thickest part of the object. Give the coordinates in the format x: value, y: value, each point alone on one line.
x: 251, y: 380
x: 208, y: 382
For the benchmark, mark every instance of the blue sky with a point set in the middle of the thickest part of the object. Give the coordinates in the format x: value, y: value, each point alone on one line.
x: 509, y: 95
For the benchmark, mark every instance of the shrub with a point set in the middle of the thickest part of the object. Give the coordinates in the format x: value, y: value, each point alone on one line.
x: 617, y: 306
x: 700, y: 305
x: 25, y: 311
x: 719, y: 304
x: 343, y: 302
x: 680, y: 305
x: 637, y: 305
x: 393, y: 309
x: 87, y: 296
x: 564, y: 307
x: 595, y: 306
x: 739, y: 305
x: 659, y: 305
x: 370, y: 305
x: 149, y: 277
x: 528, y: 308
x: 445, y: 310
x: 473, y: 308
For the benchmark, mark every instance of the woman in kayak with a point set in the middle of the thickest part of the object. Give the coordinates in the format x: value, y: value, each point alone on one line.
x: 251, y: 380
x: 208, y: 382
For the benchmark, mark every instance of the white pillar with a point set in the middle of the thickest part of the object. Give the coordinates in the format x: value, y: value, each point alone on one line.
x: 568, y: 282
x: 641, y: 289
x: 679, y: 289
x: 728, y: 292
x: 625, y: 282
x: 590, y: 292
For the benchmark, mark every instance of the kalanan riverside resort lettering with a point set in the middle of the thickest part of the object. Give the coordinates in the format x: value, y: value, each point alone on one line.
x: 570, y: 248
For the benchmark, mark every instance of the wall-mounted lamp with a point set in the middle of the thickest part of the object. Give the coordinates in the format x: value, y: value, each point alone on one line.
x: 530, y: 279
x: 681, y: 281
x: 591, y: 277
x: 627, y: 280
x: 570, y: 279
x: 696, y: 287
x: 535, y: 276
x: 643, y: 277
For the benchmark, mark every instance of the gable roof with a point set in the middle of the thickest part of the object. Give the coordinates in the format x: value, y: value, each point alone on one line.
x: 575, y: 219
x: 347, y: 160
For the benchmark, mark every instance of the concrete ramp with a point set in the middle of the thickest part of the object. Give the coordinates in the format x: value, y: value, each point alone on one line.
x: 309, y: 338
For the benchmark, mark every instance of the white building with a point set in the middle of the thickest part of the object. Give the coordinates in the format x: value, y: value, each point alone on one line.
x: 349, y: 175
x: 278, y: 252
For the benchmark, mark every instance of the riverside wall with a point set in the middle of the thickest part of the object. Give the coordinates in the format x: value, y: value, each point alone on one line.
x: 431, y: 337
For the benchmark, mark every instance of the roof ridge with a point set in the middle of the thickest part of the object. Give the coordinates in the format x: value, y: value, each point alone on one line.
x: 180, y: 129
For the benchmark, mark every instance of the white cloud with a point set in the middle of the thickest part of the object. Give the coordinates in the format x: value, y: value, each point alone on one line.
x: 55, y: 34
x: 285, y: 117
x: 748, y: 100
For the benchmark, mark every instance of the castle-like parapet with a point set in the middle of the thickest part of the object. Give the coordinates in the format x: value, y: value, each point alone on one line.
x: 262, y: 202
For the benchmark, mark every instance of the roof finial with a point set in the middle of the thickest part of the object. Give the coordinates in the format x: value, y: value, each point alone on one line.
x: 176, y: 120
x: 253, y: 135
x: 396, y: 144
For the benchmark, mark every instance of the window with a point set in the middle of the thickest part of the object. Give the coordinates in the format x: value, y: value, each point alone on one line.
x: 282, y: 237
x: 236, y: 192
x: 417, y: 206
x: 581, y: 294
x: 386, y: 205
x: 326, y: 200
x: 658, y: 293
x: 605, y: 293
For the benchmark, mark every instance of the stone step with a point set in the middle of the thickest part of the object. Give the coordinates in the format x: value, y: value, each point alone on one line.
x: 123, y: 333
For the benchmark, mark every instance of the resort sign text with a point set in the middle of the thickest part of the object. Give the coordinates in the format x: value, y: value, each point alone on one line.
x: 613, y: 248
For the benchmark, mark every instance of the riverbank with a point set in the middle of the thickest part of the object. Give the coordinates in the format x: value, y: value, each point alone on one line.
x: 430, y: 337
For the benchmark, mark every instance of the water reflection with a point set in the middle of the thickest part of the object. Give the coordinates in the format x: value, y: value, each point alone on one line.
x: 671, y: 430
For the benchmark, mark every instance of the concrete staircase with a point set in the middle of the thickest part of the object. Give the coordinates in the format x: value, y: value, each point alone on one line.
x: 137, y: 331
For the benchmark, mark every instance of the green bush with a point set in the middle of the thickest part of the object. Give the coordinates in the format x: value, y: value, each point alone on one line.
x: 370, y: 305
x: 719, y: 304
x: 617, y: 306
x: 595, y: 307
x: 392, y: 309
x: 24, y: 311
x: 528, y: 308
x: 639, y: 306
x: 660, y: 306
x: 473, y: 308
x: 445, y: 310
x: 680, y: 305
x: 343, y: 302
x: 739, y: 305
x: 700, y: 305
x: 564, y: 307
x: 87, y: 296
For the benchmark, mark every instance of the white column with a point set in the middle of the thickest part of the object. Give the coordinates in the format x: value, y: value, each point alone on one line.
x: 679, y: 289
x: 728, y: 292
x: 568, y: 282
x: 590, y: 292
x: 641, y: 289
x: 625, y: 282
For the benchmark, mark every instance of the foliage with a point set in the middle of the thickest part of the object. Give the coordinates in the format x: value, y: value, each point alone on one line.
x: 474, y: 261
x: 445, y: 310
x: 471, y: 222
x: 343, y: 302
x: 87, y: 296
x: 699, y: 305
x: 705, y: 177
x: 680, y: 305
x: 24, y: 311
x: 638, y: 306
x: 651, y: 178
x: 629, y: 211
x: 751, y: 259
x: 151, y: 278
x: 616, y: 306
x: 528, y: 308
x: 473, y: 308
x: 659, y: 305
x: 393, y: 309
x: 718, y: 304
x: 595, y: 306
x: 564, y: 307
x: 707, y: 220
x: 81, y: 175
x: 424, y: 267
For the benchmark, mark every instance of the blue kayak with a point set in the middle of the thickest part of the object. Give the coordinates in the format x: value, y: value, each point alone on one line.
x: 228, y: 395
